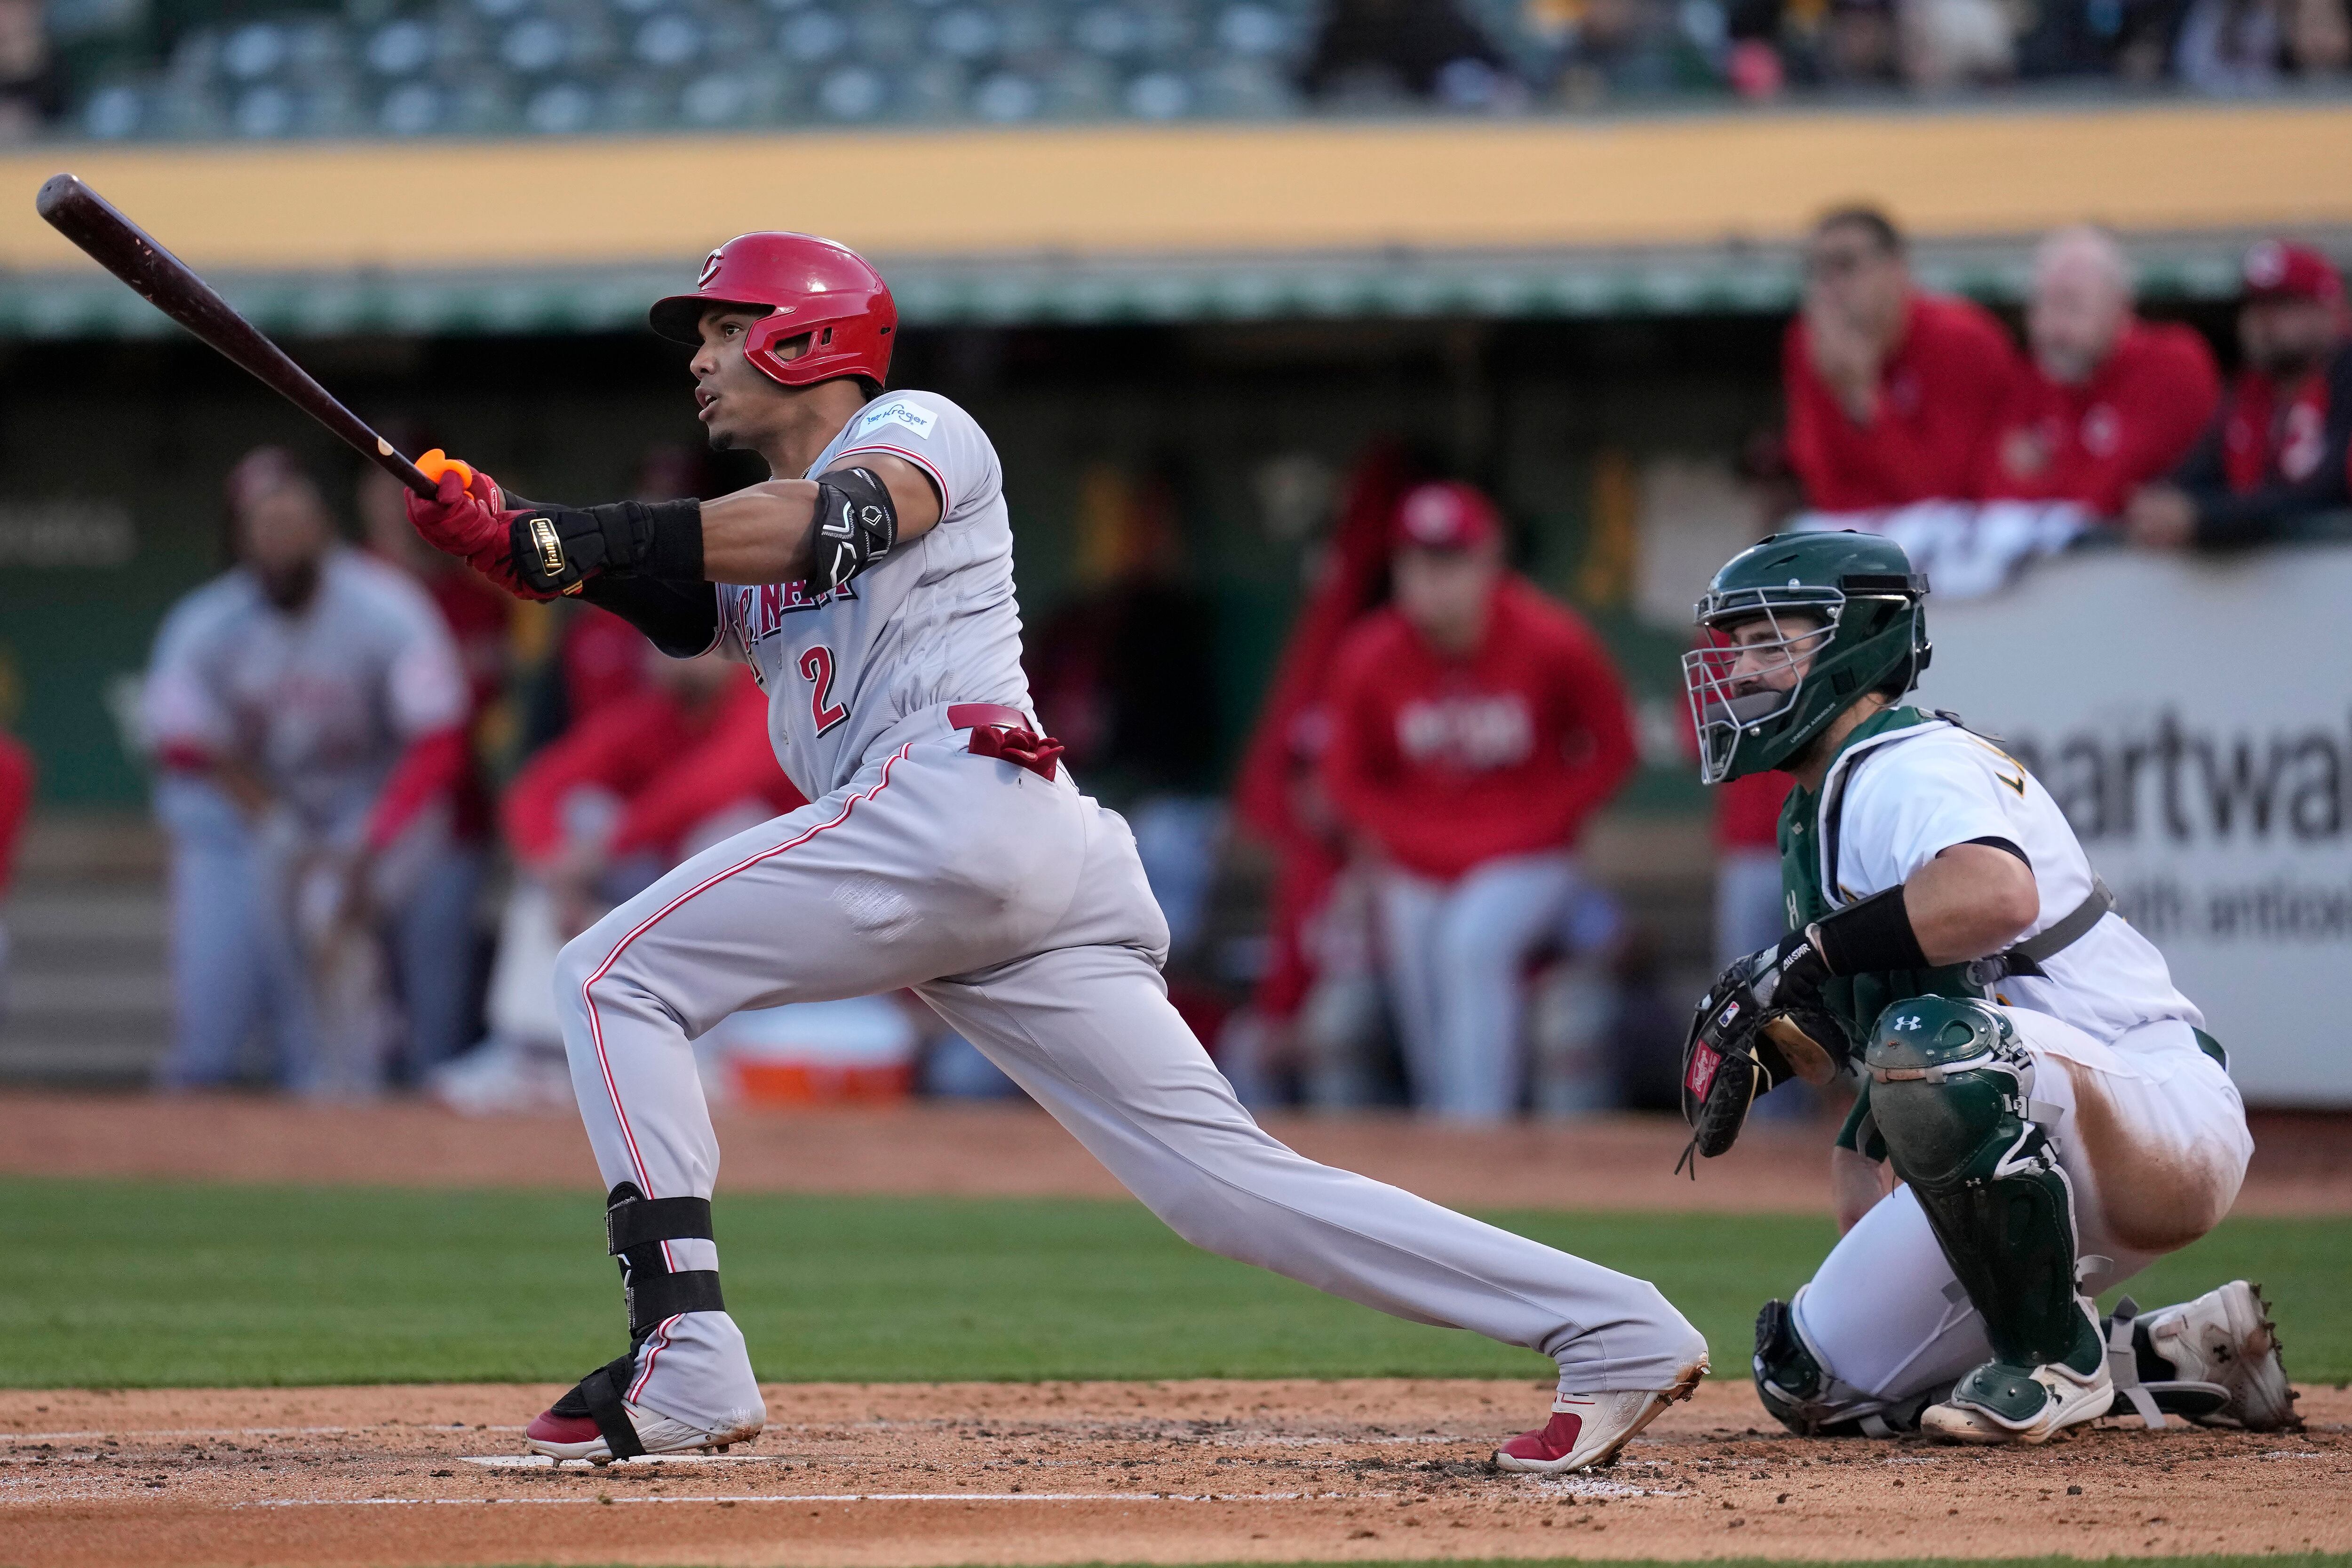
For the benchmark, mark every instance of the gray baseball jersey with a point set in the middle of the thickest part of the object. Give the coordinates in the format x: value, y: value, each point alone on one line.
x: 1015, y: 906
x: 321, y: 703
x: 933, y: 622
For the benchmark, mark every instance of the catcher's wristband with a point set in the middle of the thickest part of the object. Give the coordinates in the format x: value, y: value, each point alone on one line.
x: 1873, y: 937
x: 556, y: 549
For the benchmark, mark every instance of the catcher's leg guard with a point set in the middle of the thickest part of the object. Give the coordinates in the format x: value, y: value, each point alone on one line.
x: 634, y: 1228
x: 1809, y: 1400
x: 1951, y: 1090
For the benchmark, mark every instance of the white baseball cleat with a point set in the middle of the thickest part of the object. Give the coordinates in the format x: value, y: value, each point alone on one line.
x: 2001, y: 1407
x: 2225, y: 1337
x: 567, y: 1437
x: 1590, y: 1429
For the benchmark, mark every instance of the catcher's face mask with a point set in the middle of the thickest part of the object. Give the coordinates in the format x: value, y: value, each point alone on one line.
x: 1748, y: 677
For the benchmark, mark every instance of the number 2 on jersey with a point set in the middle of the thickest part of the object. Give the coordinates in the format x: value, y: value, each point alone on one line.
x: 816, y: 668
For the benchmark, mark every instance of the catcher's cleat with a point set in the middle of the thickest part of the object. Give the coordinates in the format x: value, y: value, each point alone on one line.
x: 1591, y: 1430
x: 2223, y: 1340
x: 1999, y: 1403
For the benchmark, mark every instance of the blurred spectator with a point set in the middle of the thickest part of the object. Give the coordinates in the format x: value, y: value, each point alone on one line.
x: 2318, y: 37
x: 637, y: 787
x: 32, y: 87
x: 2229, y: 47
x: 306, y: 713
x: 16, y: 778
x: 2109, y: 401
x: 1859, y: 45
x: 1124, y: 676
x: 1316, y: 1007
x: 1475, y: 724
x: 2131, y: 39
x: 1946, y: 44
x: 1370, y: 52
x: 1893, y: 394
x: 1637, y: 47
x: 2277, y: 451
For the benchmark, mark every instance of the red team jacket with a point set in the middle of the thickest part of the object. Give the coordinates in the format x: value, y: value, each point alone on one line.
x: 1939, y: 396
x: 16, y: 775
x: 1447, y: 763
x: 673, y: 769
x: 2275, y: 454
x: 2134, y: 418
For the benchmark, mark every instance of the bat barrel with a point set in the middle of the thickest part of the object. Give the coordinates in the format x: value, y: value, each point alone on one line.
x: 169, y: 284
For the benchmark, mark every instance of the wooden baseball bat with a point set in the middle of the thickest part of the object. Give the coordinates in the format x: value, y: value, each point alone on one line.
x: 166, y: 282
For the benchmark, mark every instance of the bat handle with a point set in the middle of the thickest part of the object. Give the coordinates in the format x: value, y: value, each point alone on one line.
x: 388, y: 457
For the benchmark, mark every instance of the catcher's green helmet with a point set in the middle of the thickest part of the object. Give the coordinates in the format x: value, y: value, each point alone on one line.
x: 1762, y: 688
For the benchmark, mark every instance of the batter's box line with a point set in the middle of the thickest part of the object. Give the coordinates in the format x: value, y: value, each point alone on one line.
x: 817, y: 1497
x: 136, y: 1434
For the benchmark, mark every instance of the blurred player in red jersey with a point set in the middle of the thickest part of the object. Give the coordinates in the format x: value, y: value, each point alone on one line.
x: 1318, y: 1001
x: 637, y: 785
x: 16, y: 778
x: 2109, y: 401
x: 1893, y: 394
x: 1475, y: 724
x: 2277, y: 451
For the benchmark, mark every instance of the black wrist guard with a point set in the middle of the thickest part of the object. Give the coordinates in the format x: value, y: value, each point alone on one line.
x: 857, y: 524
x: 555, y: 549
x: 1872, y: 937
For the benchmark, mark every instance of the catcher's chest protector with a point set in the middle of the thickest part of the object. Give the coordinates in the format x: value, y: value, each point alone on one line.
x: 1809, y: 821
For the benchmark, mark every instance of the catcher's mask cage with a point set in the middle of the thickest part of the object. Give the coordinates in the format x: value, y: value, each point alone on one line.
x: 1832, y: 643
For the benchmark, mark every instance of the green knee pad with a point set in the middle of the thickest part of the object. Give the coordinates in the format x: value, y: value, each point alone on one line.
x: 1949, y: 1088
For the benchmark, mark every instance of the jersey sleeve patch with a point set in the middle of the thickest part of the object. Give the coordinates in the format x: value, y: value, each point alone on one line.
x: 919, y: 420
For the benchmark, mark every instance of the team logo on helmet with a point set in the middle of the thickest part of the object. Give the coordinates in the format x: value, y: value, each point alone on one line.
x: 709, y: 269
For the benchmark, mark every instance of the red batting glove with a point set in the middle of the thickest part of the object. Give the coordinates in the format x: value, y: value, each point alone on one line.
x: 467, y: 517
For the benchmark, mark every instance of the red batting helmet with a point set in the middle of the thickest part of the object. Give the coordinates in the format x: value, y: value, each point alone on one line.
x: 817, y: 289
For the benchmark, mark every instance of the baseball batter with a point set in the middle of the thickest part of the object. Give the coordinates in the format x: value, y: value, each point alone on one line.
x: 2053, y: 1106
x: 869, y: 585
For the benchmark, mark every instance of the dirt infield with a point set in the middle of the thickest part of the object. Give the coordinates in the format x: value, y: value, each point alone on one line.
x: 917, y: 1473
x: 2303, y: 1163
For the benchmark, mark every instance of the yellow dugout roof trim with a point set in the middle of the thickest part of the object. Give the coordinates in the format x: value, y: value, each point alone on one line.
x: 1134, y: 190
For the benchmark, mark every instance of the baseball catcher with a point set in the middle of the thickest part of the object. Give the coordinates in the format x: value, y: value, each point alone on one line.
x: 2051, y: 1107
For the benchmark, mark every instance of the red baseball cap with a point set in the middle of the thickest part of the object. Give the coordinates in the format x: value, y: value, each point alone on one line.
x: 1447, y: 515
x: 2281, y: 269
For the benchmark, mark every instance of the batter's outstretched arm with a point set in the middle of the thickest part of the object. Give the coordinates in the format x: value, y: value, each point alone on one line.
x: 766, y: 532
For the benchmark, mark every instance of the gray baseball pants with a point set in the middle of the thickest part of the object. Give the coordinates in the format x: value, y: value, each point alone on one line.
x: 1016, y: 907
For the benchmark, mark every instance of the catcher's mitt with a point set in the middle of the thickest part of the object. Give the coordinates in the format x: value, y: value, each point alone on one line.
x: 1761, y: 1024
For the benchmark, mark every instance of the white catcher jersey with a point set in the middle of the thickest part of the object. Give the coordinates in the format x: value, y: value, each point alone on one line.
x: 1914, y: 792
x: 934, y: 621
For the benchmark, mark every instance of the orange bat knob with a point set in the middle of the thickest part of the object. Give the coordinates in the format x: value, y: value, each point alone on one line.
x: 436, y: 463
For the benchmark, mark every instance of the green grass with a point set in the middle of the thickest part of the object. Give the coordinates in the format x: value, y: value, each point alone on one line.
x: 124, y: 1283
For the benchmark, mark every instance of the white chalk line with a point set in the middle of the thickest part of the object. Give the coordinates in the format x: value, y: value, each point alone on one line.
x: 817, y: 1497
x: 130, y: 1433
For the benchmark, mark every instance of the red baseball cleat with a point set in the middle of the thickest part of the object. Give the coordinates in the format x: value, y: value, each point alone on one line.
x: 561, y: 1435
x: 1590, y: 1429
